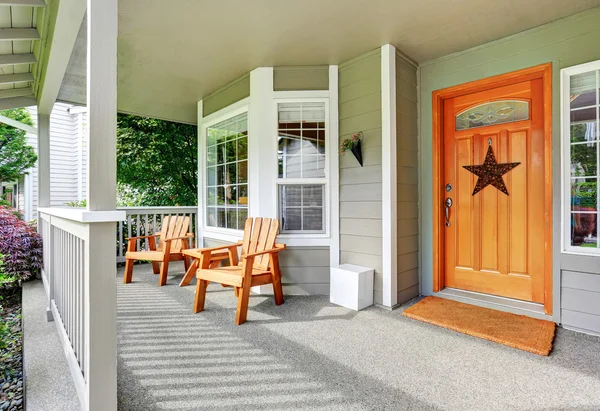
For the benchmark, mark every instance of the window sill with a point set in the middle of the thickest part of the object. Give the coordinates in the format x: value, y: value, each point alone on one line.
x: 588, y: 254
x: 233, y: 236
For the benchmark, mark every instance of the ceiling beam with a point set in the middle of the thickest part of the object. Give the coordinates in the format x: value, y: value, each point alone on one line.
x: 11, y: 59
x: 19, y: 34
x: 15, y: 78
x: 57, y: 53
x: 16, y: 102
x: 29, y: 3
x: 16, y: 92
x: 18, y: 124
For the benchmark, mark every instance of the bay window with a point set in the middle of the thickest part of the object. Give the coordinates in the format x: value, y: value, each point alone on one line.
x: 580, y: 107
x: 271, y: 154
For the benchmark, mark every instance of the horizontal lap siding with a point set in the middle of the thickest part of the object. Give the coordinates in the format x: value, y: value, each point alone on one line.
x: 305, y: 270
x: 64, y: 167
x: 580, y: 293
x: 361, y: 187
x: 301, y: 78
x: 407, y: 180
x: 567, y: 42
x: 235, y: 91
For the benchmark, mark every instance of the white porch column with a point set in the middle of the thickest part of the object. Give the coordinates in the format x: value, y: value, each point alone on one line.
x: 43, y: 160
x: 100, y: 290
x: 389, y: 176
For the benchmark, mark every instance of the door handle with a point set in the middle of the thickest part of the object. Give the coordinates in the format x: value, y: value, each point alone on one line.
x: 448, y: 204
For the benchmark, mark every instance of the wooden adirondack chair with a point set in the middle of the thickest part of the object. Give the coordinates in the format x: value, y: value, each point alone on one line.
x: 259, y: 265
x: 174, y: 238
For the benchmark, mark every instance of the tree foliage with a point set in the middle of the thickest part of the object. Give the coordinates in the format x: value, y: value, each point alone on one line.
x: 15, y: 155
x: 157, y: 162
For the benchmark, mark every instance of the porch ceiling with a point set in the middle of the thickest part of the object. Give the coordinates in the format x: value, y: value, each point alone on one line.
x: 171, y: 56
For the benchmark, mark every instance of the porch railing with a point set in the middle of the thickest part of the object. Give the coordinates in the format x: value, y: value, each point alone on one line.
x: 79, y: 277
x: 141, y: 221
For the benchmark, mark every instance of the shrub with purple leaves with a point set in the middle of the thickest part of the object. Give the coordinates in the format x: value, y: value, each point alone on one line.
x: 21, y: 245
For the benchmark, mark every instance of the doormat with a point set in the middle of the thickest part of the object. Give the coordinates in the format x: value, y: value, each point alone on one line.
x: 517, y: 331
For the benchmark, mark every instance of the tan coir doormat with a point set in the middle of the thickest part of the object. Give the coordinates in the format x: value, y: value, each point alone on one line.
x: 518, y: 331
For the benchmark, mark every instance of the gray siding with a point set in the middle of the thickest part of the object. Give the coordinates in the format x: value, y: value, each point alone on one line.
x: 407, y: 179
x: 567, y: 42
x: 360, y: 187
x: 301, y: 78
x: 64, y: 153
x: 305, y: 270
x: 580, y: 293
x: 226, y: 95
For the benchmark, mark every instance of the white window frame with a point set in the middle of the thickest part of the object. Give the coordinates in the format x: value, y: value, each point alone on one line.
x: 565, y: 76
x: 293, y: 97
x: 219, y: 233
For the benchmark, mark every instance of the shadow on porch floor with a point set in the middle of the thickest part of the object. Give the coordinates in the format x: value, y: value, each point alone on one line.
x: 311, y: 355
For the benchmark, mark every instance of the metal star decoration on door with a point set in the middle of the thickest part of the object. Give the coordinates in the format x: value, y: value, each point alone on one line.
x: 491, y: 172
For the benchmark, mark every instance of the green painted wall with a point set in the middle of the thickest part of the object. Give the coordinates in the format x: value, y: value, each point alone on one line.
x: 567, y: 42
x: 301, y: 78
x: 360, y: 187
x: 226, y: 95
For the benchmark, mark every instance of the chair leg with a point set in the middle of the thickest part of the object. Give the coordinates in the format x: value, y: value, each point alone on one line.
x: 128, y: 271
x: 190, y: 273
x: 164, y: 270
x: 276, y: 277
x: 200, y: 295
x: 242, y: 307
x: 186, y: 263
x: 155, y: 267
x: 236, y: 290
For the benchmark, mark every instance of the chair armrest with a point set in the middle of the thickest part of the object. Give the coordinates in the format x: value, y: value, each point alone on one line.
x: 142, y: 237
x: 223, y: 247
x: 185, y: 237
x: 278, y: 248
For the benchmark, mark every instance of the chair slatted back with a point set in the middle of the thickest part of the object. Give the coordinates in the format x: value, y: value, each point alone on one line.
x: 260, y: 234
x: 174, y: 226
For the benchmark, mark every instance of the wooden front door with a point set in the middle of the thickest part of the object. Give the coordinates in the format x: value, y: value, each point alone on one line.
x: 496, y: 234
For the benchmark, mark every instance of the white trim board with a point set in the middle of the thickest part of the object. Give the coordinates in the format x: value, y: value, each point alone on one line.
x: 389, y: 175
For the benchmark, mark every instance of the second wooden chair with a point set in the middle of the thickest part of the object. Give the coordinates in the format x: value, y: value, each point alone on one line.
x: 259, y: 265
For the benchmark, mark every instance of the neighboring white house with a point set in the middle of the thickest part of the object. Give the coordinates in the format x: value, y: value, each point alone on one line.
x: 68, y: 162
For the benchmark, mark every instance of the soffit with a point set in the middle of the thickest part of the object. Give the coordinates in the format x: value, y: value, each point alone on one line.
x: 172, y: 53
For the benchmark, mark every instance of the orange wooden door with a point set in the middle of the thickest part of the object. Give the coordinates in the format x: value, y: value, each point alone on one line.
x: 494, y: 243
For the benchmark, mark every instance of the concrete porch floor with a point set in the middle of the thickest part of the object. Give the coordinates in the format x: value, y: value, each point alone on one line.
x: 311, y: 355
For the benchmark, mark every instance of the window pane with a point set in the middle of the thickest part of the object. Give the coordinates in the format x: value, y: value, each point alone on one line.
x: 312, y: 196
x: 313, y: 219
x: 291, y: 219
x: 212, y: 196
x: 242, y: 173
x: 232, y: 218
x: 211, y: 217
x: 227, y: 153
x: 583, y: 90
x: 584, y: 230
x: 211, y: 176
x: 301, y: 208
x: 497, y: 112
x: 583, y: 131
x: 220, y: 217
x: 291, y: 196
x: 584, y: 195
x: 242, y: 216
x: 583, y: 160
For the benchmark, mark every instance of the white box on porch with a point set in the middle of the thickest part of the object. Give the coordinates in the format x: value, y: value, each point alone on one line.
x: 351, y: 286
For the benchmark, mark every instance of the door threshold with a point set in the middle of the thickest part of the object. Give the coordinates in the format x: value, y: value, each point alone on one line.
x: 494, y: 302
